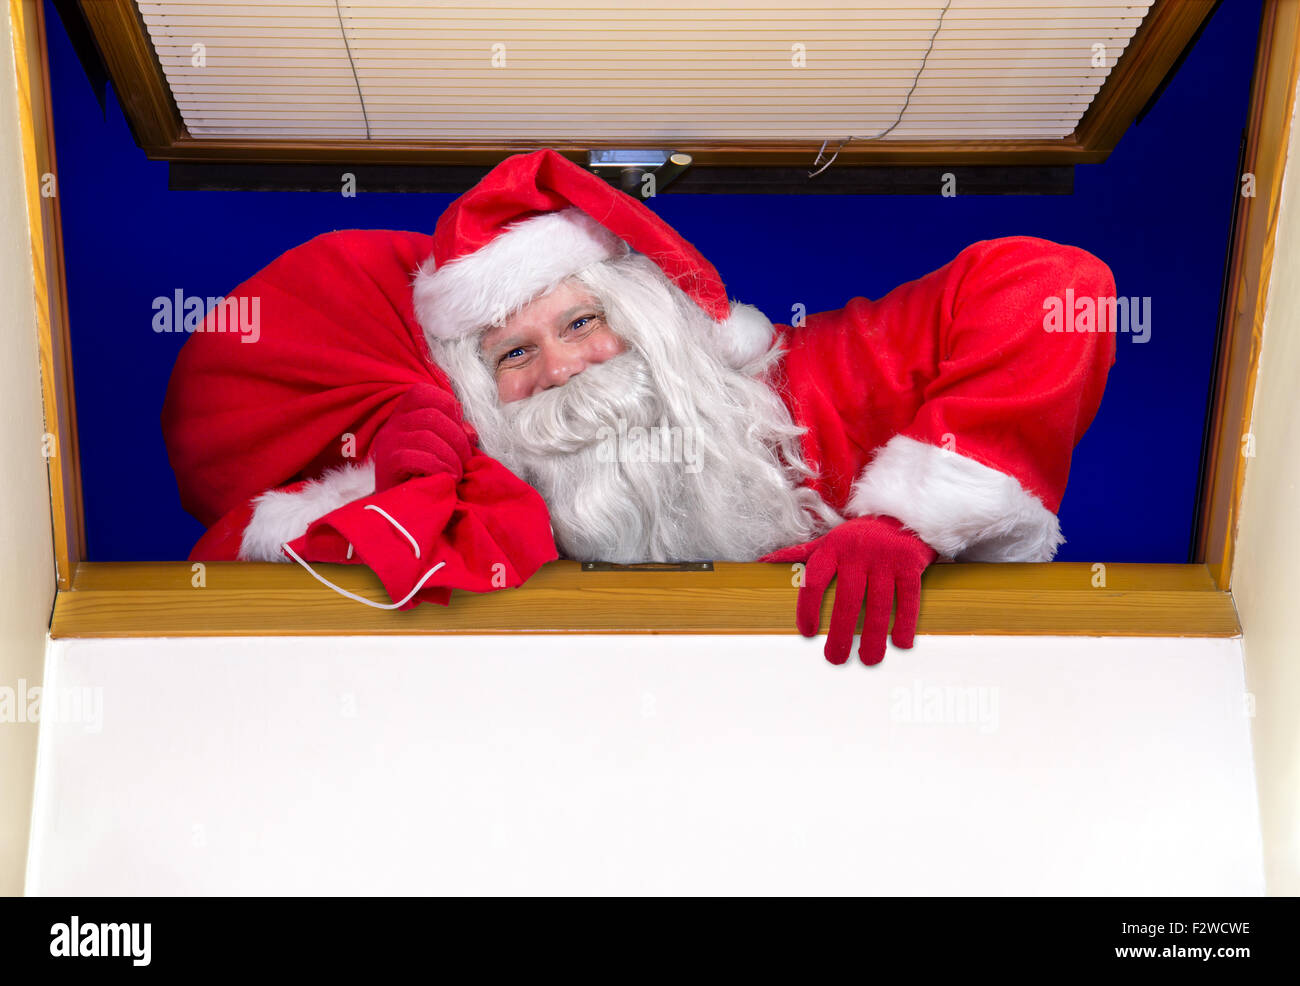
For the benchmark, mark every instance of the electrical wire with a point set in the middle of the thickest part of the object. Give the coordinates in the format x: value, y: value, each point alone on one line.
x: 348, y: 48
x: 906, y: 102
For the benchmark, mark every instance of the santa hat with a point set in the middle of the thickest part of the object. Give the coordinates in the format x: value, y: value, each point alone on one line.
x: 536, y: 219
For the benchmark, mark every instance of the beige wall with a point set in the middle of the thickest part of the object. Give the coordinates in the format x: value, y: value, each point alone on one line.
x: 26, y: 552
x: 1265, y: 577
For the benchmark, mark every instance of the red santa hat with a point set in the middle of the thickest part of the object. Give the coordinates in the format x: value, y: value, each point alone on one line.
x: 536, y: 219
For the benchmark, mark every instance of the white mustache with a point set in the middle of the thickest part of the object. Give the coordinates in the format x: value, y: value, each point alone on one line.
x: 571, y: 416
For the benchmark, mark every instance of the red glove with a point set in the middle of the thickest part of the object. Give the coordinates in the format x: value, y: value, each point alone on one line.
x: 871, y: 556
x: 424, y: 436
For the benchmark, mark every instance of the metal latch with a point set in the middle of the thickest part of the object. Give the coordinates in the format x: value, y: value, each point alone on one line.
x: 641, y: 173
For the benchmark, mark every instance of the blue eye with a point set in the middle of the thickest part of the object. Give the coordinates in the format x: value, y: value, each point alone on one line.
x: 512, y: 354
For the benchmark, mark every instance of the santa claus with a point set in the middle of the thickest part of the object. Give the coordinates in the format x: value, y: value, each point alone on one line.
x: 557, y: 367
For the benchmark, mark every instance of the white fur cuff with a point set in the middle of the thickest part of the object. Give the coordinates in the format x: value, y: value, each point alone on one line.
x: 279, y: 517
x: 961, y: 508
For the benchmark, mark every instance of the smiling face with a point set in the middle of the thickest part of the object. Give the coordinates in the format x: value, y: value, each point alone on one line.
x: 606, y: 397
x: 548, y: 341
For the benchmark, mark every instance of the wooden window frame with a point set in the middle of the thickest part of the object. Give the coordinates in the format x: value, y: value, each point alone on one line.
x: 106, y: 599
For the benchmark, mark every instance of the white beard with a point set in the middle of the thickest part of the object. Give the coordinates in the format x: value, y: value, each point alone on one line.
x: 660, y: 454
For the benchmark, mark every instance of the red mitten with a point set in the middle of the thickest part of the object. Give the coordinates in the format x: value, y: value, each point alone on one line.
x: 424, y: 436
x: 872, y: 556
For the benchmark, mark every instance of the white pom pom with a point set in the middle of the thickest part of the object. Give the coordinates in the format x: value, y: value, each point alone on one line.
x: 744, y: 336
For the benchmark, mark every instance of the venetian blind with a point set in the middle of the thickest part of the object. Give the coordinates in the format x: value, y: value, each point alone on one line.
x: 662, y: 73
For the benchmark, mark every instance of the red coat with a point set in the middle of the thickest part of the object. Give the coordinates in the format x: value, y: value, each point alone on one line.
x: 946, y: 404
x: 949, y: 404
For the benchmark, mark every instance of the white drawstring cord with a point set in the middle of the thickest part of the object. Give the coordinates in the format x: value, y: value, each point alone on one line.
x: 352, y: 595
x: 389, y: 517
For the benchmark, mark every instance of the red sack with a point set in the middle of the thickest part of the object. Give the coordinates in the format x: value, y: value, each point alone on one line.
x: 332, y: 346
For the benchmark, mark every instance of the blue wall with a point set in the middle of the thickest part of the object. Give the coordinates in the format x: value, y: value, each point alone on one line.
x: 1157, y: 211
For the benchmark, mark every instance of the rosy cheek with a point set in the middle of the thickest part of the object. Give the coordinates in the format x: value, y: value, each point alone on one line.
x: 604, y: 346
x: 511, y: 386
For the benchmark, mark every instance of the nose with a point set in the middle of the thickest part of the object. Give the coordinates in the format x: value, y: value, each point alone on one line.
x: 559, y: 363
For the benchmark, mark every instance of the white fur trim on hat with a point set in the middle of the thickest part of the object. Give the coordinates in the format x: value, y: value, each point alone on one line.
x: 959, y: 507
x: 524, y: 261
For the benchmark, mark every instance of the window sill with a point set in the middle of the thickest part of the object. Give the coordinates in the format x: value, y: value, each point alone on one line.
x: 156, y: 599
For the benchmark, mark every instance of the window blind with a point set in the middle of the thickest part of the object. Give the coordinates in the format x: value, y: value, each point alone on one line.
x: 663, y: 73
